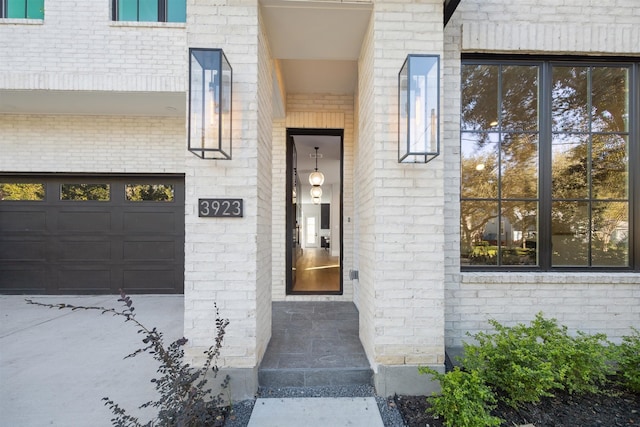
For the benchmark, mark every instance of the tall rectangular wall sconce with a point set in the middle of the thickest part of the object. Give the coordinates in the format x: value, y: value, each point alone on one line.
x: 210, y: 80
x: 419, y: 109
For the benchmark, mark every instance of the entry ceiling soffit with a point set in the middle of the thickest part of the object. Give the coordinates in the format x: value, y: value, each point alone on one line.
x: 316, y: 44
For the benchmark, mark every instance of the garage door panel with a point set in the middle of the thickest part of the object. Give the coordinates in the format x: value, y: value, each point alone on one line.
x: 84, y: 251
x: 23, y: 278
x: 154, y: 280
x: 23, y: 221
x: 87, y: 245
x: 22, y: 250
x: 95, y: 222
x: 85, y: 279
x: 148, y: 222
x: 154, y: 250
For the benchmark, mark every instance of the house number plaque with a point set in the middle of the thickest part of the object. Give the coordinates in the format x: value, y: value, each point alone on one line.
x: 220, y: 208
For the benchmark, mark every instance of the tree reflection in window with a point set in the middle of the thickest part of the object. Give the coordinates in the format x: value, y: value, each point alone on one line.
x: 84, y: 192
x: 499, y: 152
x: 590, y: 186
x: 21, y: 191
x: 149, y: 192
x: 582, y: 121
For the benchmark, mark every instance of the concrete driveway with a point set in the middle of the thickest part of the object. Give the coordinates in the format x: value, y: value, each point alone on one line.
x: 57, y: 365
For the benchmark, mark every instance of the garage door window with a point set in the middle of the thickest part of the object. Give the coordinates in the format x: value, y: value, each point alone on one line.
x: 21, y: 191
x: 149, y: 192
x: 85, y: 192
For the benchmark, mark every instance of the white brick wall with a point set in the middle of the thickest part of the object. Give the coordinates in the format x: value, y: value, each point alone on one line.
x: 222, y: 255
x: 323, y: 111
x: 400, y: 218
x: 365, y: 207
x: 30, y: 143
x: 264, y: 265
x: 78, y: 47
x: 592, y: 303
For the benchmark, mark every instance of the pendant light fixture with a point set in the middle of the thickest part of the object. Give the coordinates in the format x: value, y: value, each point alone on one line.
x: 316, y: 178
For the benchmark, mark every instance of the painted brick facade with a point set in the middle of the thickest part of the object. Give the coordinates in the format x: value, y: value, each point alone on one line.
x: 222, y: 256
x: 78, y: 47
x: 606, y: 303
x: 400, y: 221
x: 100, y: 144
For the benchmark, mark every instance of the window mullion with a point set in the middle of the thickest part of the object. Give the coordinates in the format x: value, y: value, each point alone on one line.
x: 590, y: 165
x: 162, y: 10
x: 500, y: 136
x: 634, y: 159
x: 544, y: 163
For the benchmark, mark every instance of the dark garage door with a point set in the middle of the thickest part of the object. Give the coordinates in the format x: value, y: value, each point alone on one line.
x: 91, y: 234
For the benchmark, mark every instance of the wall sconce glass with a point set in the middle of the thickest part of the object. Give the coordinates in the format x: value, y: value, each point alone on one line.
x: 210, y: 79
x: 419, y: 109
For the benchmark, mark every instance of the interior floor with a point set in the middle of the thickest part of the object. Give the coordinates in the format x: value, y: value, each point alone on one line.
x: 317, y: 271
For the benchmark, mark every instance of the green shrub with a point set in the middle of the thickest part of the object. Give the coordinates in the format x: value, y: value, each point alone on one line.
x: 465, y: 400
x: 513, y: 361
x: 529, y: 362
x: 629, y: 360
x: 585, y: 363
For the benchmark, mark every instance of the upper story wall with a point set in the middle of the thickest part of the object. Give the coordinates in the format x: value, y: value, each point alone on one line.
x: 78, y: 47
x: 549, y: 26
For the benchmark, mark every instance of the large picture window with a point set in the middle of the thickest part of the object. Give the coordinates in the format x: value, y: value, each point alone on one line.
x: 22, y: 9
x: 150, y: 10
x: 545, y: 164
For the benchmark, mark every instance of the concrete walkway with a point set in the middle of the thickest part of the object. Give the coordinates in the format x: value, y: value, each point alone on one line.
x: 57, y: 365
x: 316, y: 412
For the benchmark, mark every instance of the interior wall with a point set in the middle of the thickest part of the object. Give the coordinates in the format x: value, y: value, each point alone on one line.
x: 317, y: 111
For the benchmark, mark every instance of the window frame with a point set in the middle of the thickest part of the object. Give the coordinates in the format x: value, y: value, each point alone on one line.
x: 4, y: 8
x: 163, y: 11
x: 545, y: 138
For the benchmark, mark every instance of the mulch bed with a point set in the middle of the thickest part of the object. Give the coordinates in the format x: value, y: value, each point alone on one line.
x: 617, y: 408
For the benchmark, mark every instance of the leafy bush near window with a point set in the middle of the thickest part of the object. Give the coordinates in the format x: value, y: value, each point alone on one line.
x: 465, y: 399
x: 524, y: 363
x: 184, y: 396
x: 629, y: 360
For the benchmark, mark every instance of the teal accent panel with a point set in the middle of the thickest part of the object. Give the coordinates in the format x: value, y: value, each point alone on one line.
x: 127, y: 10
x: 176, y: 11
x: 16, y: 8
x: 148, y: 10
x: 35, y: 9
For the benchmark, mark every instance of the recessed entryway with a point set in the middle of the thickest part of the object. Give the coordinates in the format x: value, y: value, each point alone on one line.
x: 314, y: 212
x: 314, y: 344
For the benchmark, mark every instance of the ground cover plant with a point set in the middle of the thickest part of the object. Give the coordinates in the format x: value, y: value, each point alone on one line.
x: 184, y: 396
x: 535, y: 374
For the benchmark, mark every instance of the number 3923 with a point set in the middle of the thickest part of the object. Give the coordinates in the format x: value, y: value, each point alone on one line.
x: 227, y: 208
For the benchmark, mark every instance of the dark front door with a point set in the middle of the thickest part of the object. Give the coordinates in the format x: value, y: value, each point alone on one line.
x: 314, y: 223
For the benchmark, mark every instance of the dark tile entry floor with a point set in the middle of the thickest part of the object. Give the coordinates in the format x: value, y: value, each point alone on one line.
x: 314, y: 344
